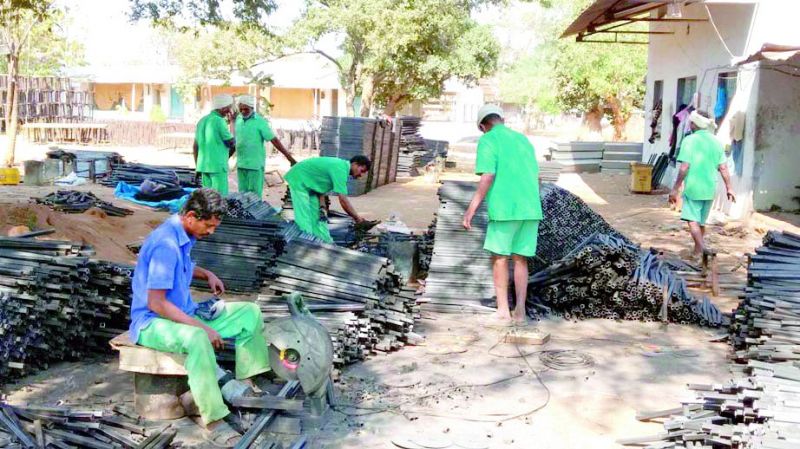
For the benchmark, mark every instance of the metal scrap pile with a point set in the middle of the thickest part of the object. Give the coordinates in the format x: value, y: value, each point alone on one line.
x: 759, y: 408
x: 74, y: 202
x: 136, y: 174
x: 86, y: 163
x: 358, y: 296
x: 607, y: 277
x: 249, y: 206
x: 61, y: 427
x: 56, y: 304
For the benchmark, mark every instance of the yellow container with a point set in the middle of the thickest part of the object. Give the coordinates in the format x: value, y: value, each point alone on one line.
x: 9, y: 176
x: 641, y: 178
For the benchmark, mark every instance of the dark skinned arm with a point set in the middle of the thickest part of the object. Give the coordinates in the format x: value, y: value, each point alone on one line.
x: 349, y: 209
x: 279, y: 146
x: 483, y: 188
x: 195, y: 149
x: 726, y: 178
x: 158, y: 303
x: 676, y: 189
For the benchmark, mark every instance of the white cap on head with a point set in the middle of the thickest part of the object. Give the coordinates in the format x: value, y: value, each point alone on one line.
x: 248, y: 100
x: 489, y: 109
x: 221, y: 101
x: 702, y: 122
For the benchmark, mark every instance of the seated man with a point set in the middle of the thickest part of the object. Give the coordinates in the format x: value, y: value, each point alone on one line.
x: 315, y: 177
x: 163, y: 313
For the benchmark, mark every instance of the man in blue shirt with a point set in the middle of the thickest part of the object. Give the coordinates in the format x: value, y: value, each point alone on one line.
x: 163, y: 313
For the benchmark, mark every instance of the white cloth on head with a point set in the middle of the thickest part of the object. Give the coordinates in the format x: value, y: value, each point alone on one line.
x: 702, y: 122
x: 248, y: 100
x: 489, y: 109
x: 221, y: 101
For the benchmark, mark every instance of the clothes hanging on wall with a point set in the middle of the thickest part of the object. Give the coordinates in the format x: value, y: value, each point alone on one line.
x: 737, y: 154
x: 655, y: 123
x: 721, y: 107
x: 680, y: 128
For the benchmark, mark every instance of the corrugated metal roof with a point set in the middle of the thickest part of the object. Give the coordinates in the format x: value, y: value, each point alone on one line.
x: 302, y: 71
x: 606, y: 12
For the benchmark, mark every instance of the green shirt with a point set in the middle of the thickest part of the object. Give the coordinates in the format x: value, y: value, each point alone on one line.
x: 211, y: 133
x: 704, y: 153
x: 251, y: 133
x: 320, y: 174
x: 509, y: 155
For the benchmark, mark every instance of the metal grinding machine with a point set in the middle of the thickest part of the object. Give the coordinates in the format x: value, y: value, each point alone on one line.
x: 300, y: 349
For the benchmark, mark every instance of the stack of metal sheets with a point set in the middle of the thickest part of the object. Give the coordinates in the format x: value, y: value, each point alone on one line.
x: 460, y: 272
x: 135, y: 174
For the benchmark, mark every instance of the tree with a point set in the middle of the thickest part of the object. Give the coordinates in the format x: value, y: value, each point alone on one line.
x: 33, y: 48
x: 398, y: 51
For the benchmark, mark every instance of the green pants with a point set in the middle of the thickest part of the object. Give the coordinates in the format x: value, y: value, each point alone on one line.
x: 306, y: 213
x: 696, y: 210
x: 240, y: 320
x: 216, y: 181
x: 506, y: 238
x: 251, y: 181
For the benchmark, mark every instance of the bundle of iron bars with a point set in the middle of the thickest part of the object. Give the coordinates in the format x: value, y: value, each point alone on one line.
x: 31, y: 427
x: 357, y: 295
x: 607, y: 277
x: 759, y: 408
x: 659, y: 164
x: 460, y: 272
x: 249, y: 206
x: 74, y: 201
x: 135, y: 174
x: 56, y: 304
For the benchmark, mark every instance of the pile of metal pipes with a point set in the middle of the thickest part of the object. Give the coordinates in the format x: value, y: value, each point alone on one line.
x: 607, y: 277
x: 344, y: 281
x: 249, y: 206
x: 74, y: 202
x: 32, y: 427
x: 460, y: 272
x: 55, y: 303
x: 240, y: 252
x: 758, y: 409
x: 135, y: 174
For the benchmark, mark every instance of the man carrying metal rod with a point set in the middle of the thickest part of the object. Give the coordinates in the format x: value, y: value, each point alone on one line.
x: 252, y: 131
x: 506, y: 162
x: 316, y: 177
x: 701, y: 157
x: 214, y: 144
x: 165, y: 318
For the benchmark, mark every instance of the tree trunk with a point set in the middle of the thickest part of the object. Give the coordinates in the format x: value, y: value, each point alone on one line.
x: 12, y: 108
x: 618, y: 118
x: 367, y: 94
x: 395, y: 103
x: 592, y: 119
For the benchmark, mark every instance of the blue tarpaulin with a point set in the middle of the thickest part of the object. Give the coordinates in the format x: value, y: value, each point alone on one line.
x: 128, y: 192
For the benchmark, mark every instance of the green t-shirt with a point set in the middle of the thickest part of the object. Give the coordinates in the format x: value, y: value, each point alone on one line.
x: 251, y: 133
x: 320, y: 174
x: 704, y: 153
x: 211, y: 133
x: 509, y: 155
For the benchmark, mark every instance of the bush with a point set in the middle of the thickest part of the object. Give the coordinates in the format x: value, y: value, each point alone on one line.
x: 157, y: 114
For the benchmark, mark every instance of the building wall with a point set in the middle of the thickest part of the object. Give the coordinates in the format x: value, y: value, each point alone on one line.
x: 108, y: 95
x: 777, y: 156
x: 292, y: 103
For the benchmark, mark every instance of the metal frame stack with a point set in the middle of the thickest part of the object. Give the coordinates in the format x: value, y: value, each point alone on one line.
x: 47, y: 99
x: 135, y: 174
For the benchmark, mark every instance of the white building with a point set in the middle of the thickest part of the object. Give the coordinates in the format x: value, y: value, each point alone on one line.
x: 713, y: 55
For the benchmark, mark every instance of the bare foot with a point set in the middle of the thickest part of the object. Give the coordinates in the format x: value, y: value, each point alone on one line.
x: 505, y: 315
x: 519, y: 318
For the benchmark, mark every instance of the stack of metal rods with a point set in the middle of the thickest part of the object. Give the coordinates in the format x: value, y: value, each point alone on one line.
x: 607, y: 277
x: 62, y: 427
x: 56, y: 304
x: 358, y: 294
x: 460, y: 272
x: 249, y: 206
x: 240, y: 252
x: 760, y: 407
x: 74, y: 201
x: 136, y: 173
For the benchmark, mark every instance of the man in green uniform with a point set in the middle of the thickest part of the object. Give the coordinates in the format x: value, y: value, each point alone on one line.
x: 312, y: 178
x: 252, y: 131
x: 214, y: 144
x: 506, y: 162
x: 701, y: 157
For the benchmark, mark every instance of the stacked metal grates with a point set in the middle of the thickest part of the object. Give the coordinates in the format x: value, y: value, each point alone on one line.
x: 758, y: 409
x: 345, y: 137
x: 360, y: 294
x: 460, y: 271
x: 136, y: 174
x: 413, y: 151
x: 56, y: 303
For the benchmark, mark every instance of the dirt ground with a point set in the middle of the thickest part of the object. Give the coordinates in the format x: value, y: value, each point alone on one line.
x: 461, y: 386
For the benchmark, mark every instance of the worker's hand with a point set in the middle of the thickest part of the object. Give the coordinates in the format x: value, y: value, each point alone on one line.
x: 215, y: 338
x: 673, y: 197
x: 731, y: 196
x: 360, y: 220
x: 467, y: 222
x: 215, y: 284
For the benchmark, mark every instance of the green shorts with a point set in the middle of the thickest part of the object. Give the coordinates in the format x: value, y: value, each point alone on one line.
x: 505, y: 238
x: 696, y: 210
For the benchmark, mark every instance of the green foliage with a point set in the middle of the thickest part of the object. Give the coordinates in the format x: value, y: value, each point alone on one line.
x: 157, y: 114
x: 188, y: 13
x: 47, y: 51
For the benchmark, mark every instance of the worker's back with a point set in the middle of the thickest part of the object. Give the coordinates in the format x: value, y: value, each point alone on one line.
x: 211, y: 133
x: 704, y: 153
x: 509, y: 155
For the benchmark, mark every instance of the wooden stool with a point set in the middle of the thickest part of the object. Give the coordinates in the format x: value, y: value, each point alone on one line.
x: 159, y: 378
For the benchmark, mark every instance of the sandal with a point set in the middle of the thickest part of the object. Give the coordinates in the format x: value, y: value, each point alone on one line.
x: 223, y: 436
